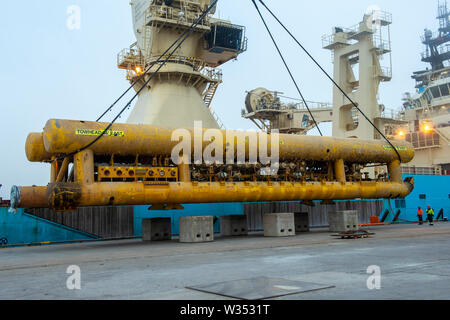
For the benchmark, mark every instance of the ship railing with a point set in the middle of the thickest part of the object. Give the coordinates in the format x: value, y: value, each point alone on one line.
x: 314, y: 105
x: 328, y: 40
x: 380, y: 44
x: 195, y: 63
x: 392, y: 114
x: 301, y: 105
x: 383, y: 17
x: 429, y: 171
x: 441, y: 50
x: 214, y: 75
x: 176, y: 14
x: 431, y: 36
x: 130, y: 58
x: 386, y: 72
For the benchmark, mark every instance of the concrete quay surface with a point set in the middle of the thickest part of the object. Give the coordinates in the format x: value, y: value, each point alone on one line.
x: 414, y: 262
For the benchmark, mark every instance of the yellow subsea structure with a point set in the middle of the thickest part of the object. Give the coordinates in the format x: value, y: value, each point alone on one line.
x: 147, y: 165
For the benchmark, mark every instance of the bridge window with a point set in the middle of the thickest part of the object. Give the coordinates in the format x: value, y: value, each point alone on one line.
x: 428, y: 96
x: 435, y: 92
x: 422, y: 196
x: 226, y: 37
x: 418, y: 103
x: 444, y: 90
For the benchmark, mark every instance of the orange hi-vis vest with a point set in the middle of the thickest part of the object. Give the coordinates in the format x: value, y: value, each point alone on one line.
x: 420, y: 212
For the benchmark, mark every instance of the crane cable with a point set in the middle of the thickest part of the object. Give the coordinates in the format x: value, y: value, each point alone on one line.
x: 287, y: 67
x: 162, y: 64
x: 329, y: 77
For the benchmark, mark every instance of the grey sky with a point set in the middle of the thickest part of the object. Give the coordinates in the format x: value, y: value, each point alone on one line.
x: 49, y: 71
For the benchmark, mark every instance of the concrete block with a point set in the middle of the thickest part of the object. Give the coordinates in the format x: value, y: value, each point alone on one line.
x: 156, y: 229
x: 235, y: 225
x: 279, y: 225
x: 343, y: 221
x: 196, y: 229
x: 301, y: 222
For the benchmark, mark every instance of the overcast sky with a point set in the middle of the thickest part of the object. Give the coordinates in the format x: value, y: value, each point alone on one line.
x: 49, y: 71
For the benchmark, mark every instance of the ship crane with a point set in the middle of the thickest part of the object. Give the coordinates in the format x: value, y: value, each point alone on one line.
x: 98, y: 164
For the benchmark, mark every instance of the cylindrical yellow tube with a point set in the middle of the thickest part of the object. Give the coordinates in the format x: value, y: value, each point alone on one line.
x: 29, y: 197
x: 339, y: 170
x: 34, y: 148
x: 66, y: 136
x: 395, y: 171
x: 138, y: 193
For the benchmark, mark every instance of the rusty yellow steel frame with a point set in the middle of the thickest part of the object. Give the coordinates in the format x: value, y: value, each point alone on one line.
x: 64, y: 137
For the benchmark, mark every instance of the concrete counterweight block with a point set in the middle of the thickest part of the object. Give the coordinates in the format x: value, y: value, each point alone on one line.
x: 301, y: 222
x: 156, y: 229
x: 196, y: 229
x: 343, y: 221
x: 279, y: 225
x: 234, y: 225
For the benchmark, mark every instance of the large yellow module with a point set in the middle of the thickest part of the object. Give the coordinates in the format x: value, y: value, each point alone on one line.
x: 134, y: 165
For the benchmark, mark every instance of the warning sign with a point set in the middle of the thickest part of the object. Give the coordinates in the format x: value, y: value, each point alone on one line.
x: 94, y: 132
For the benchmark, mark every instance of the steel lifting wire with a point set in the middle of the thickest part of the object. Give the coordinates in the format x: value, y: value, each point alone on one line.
x: 326, y: 74
x: 287, y: 67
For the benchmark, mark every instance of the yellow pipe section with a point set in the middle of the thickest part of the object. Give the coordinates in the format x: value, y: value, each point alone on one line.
x: 35, y: 149
x: 67, y: 136
x: 63, y: 171
x: 395, y: 171
x: 339, y: 171
x: 139, y: 193
x: 84, y: 167
x: 29, y: 197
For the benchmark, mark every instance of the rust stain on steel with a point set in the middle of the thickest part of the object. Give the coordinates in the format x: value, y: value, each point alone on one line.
x: 64, y: 196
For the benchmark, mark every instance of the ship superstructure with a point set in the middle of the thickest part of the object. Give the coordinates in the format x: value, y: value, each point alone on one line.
x: 427, y: 111
x: 185, y: 87
x: 358, y: 53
